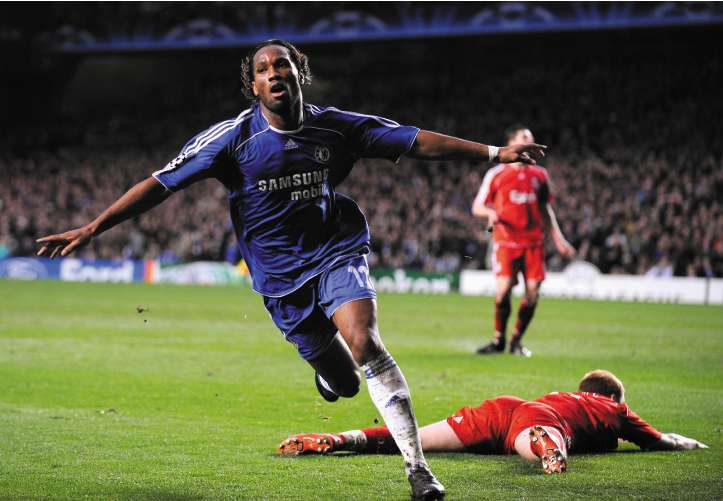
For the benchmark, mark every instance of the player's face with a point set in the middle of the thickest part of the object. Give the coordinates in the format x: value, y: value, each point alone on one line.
x: 276, y: 78
x: 521, y: 137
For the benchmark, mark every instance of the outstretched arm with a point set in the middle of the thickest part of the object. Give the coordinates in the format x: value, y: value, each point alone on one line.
x: 550, y: 222
x: 434, y: 146
x: 675, y: 442
x: 139, y: 199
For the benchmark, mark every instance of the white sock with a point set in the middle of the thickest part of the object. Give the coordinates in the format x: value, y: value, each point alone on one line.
x: 390, y: 394
x: 354, y: 440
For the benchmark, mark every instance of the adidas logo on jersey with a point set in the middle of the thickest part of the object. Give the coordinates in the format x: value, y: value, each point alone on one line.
x: 290, y: 145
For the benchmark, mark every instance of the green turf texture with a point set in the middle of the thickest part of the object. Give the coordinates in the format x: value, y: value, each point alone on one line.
x: 189, y: 399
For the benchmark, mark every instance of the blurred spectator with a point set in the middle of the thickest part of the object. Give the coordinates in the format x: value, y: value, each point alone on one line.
x: 635, y: 161
x: 661, y: 269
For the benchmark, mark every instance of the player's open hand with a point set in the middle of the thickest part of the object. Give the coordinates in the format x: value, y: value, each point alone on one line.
x: 63, y: 244
x: 524, y: 153
x: 685, y: 443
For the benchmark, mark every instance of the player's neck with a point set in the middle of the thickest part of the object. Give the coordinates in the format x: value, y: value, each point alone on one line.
x: 288, y: 119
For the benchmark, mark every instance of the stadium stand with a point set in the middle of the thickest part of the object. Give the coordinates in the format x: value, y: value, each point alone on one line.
x: 635, y: 152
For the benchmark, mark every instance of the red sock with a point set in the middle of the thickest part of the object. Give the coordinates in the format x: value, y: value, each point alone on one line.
x: 524, y: 317
x: 379, y: 441
x: 502, y: 313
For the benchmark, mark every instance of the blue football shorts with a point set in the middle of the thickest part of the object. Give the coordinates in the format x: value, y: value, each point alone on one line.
x: 304, y: 316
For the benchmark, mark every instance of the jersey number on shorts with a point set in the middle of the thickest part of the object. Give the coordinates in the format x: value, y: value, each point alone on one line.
x: 361, y: 273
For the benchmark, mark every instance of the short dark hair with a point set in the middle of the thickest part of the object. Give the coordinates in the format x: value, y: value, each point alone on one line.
x: 603, y: 382
x: 512, y: 130
x: 247, y: 65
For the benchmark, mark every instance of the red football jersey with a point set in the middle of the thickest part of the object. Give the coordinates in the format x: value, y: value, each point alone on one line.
x: 518, y: 194
x: 596, y: 421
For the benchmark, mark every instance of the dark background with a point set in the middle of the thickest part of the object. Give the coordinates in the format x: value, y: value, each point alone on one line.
x: 632, y: 118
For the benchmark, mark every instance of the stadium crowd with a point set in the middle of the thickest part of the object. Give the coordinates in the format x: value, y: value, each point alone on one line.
x: 635, y: 191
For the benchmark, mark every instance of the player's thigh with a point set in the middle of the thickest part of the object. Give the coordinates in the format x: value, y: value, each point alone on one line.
x: 440, y: 437
x: 349, y: 300
x: 357, y: 324
x: 507, y: 263
x: 534, y: 264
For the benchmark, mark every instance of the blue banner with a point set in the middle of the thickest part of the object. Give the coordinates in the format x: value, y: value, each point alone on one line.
x: 76, y: 270
x: 229, y: 24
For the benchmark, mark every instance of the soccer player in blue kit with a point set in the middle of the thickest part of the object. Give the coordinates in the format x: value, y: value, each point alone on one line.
x: 305, y: 245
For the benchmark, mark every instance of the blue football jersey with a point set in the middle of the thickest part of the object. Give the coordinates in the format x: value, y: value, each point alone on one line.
x: 289, y: 222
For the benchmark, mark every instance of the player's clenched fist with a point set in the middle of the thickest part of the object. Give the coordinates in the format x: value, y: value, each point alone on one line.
x: 64, y: 243
x: 524, y: 153
x: 492, y: 217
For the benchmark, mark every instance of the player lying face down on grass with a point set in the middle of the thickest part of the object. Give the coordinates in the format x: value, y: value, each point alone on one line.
x: 592, y: 419
x: 305, y: 244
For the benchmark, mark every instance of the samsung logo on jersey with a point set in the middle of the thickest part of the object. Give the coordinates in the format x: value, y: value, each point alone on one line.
x: 294, y: 181
x: 522, y: 197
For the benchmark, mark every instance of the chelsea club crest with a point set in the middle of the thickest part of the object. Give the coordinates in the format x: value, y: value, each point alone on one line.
x: 322, y: 154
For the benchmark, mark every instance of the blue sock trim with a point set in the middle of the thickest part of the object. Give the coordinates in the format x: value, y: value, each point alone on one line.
x: 379, y: 366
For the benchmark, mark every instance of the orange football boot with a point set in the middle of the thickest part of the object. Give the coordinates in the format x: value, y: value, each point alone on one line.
x: 553, y: 460
x: 310, y: 443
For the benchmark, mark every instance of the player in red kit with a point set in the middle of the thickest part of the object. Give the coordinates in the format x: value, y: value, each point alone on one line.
x: 515, y: 200
x: 592, y: 419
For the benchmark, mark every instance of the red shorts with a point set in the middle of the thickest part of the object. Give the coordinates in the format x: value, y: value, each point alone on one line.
x: 509, y: 261
x: 531, y: 414
x: 483, y: 429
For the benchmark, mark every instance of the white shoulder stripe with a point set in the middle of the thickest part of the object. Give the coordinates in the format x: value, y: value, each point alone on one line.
x: 205, y: 134
x: 220, y: 132
x: 213, y: 129
x: 313, y: 109
x: 192, y: 151
x: 487, y: 182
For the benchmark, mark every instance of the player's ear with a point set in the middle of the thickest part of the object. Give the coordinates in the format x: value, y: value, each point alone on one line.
x: 253, y: 88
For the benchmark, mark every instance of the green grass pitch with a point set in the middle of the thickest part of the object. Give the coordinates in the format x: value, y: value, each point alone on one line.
x: 189, y: 399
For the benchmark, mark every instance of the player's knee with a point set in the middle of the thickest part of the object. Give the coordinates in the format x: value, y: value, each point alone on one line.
x: 503, y: 299
x: 371, y: 350
x: 532, y: 297
x: 367, y: 345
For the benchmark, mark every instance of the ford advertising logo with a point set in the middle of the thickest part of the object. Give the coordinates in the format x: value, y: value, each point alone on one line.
x: 78, y: 270
x: 24, y: 268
